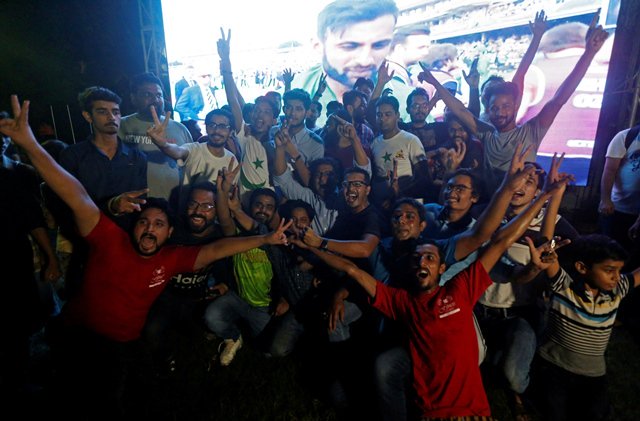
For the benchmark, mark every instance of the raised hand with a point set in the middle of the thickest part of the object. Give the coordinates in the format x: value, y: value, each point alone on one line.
x: 158, y: 130
x: 287, y: 76
x: 234, y: 199
x: 473, y: 78
x: 227, y: 176
x: 279, y: 236
x: 346, y: 129
x: 544, y: 256
x: 384, y: 76
x: 17, y: 128
x: 128, y: 202
x: 426, y: 75
x: 224, y: 51
x: 596, y: 35
x: 455, y: 156
x: 310, y: 237
x: 539, y: 24
x: 556, y: 181
x: 322, y: 86
x: 519, y: 172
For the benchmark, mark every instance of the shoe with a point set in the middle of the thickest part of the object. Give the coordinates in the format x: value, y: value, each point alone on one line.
x: 231, y: 347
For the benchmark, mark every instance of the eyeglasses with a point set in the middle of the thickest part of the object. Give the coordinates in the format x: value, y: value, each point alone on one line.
x: 424, y: 106
x: 456, y: 188
x: 207, y: 207
x: 356, y: 184
x: 214, y: 126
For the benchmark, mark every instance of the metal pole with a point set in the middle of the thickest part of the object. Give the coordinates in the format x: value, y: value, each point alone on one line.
x: 73, y: 133
x: 636, y: 98
x: 53, y: 120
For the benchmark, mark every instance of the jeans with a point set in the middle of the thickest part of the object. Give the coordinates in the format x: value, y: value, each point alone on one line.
x: 392, y: 375
x: 286, y: 335
x: 512, y: 346
x: 223, y: 315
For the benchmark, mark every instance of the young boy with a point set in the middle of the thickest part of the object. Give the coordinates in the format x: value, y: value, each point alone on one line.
x: 584, y: 303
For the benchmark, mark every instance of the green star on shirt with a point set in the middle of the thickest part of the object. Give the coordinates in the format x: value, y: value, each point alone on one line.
x: 387, y: 157
x: 257, y: 163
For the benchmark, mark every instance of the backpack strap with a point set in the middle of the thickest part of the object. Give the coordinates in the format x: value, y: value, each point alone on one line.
x: 631, y: 135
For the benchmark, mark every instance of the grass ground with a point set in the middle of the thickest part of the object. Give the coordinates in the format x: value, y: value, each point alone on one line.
x: 255, y: 387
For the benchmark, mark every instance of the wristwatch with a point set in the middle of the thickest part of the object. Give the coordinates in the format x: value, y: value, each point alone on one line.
x: 324, y: 245
x: 294, y: 160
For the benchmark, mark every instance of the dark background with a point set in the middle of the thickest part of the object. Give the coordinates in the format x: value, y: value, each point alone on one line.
x: 52, y: 50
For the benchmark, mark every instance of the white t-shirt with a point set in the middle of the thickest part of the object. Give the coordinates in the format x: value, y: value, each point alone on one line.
x: 255, y: 164
x: 625, y: 194
x: 403, y: 147
x: 201, y: 165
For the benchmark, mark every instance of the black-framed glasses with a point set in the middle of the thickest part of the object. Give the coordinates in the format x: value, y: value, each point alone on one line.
x: 207, y: 207
x: 214, y: 126
x: 356, y: 184
x: 456, y: 188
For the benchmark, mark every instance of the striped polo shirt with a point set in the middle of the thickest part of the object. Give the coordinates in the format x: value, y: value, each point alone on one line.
x: 579, y: 325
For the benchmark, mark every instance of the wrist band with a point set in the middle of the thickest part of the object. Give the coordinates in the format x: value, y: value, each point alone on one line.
x: 324, y: 245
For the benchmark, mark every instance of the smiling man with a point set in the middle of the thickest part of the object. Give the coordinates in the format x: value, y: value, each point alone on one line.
x: 354, y: 37
x: 97, y: 333
x: 163, y: 173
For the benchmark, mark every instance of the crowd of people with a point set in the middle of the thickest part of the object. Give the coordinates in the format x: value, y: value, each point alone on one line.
x: 408, y: 253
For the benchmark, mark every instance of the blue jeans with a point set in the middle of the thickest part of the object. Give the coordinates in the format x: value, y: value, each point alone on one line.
x: 512, y: 346
x: 392, y: 375
x: 286, y: 335
x: 224, y: 313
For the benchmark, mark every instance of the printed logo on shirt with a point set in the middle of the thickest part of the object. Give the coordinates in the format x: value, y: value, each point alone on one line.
x: 143, y: 139
x: 399, y: 154
x: 446, y: 306
x: 158, y: 277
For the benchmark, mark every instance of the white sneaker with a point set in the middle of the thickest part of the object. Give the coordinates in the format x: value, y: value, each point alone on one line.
x: 231, y: 347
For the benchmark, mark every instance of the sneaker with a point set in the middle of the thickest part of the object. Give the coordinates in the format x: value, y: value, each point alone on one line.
x: 231, y: 347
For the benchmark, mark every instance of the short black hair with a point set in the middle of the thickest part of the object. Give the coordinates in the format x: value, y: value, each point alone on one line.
x: 142, y: 79
x: 477, y: 186
x: 298, y: 94
x: 424, y: 241
x: 501, y: 88
x: 595, y: 248
x: 338, y: 15
x: 540, y: 172
x: 96, y: 93
x: 419, y: 207
x: 358, y: 170
x: 263, y: 191
x: 334, y: 105
x: 327, y: 160
x: 318, y: 105
x: 203, y: 185
x: 221, y: 112
x: 274, y: 107
x: 287, y: 208
x: 417, y: 92
x: 389, y: 100
x: 158, y: 203
x: 364, y: 81
x: 349, y: 97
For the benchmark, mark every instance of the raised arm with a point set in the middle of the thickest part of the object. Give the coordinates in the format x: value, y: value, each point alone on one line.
x: 365, y: 280
x: 230, y: 88
x: 67, y: 187
x: 538, y: 28
x: 157, y: 133
x: 492, y: 216
x: 355, y: 248
x: 283, y: 141
x: 611, y: 166
x: 226, y: 247
x: 454, y: 104
x: 473, y: 80
x: 596, y: 36
x: 224, y: 183
x: 509, y: 233
x: 347, y: 130
x: 383, y: 77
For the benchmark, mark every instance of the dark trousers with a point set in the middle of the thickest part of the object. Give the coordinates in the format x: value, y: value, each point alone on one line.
x: 569, y: 396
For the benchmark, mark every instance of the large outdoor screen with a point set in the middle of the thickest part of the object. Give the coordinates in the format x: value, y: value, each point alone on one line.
x: 269, y: 37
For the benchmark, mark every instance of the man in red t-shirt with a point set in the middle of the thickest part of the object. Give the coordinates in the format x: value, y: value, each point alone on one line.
x: 439, y: 319
x: 98, y: 331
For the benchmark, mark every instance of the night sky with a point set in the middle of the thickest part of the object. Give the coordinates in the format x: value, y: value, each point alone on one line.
x: 52, y: 50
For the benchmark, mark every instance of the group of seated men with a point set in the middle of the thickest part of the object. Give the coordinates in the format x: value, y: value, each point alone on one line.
x: 449, y: 230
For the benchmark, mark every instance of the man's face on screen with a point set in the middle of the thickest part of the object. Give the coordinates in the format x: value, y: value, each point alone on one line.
x: 357, y: 50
